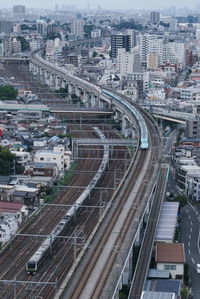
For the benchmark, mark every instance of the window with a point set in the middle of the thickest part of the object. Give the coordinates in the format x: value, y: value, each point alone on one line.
x: 169, y: 267
x: 41, y: 159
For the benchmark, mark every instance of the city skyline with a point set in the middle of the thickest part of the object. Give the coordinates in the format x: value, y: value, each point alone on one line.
x: 81, y: 4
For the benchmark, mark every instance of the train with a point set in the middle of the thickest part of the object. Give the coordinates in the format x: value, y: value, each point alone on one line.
x: 144, y: 141
x: 41, y: 253
x: 144, y: 144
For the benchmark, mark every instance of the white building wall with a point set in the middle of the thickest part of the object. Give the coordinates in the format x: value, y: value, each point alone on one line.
x: 125, y: 61
x: 50, y: 157
x: 8, y: 227
x: 77, y: 28
x: 168, y: 266
x: 174, y: 52
x: 150, y: 43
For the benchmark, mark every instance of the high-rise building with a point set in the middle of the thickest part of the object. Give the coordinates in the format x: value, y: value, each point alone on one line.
x: 19, y: 9
x: 7, y: 46
x: 53, y: 28
x: 173, y: 24
x: 96, y: 33
x: 78, y: 16
x: 152, y: 61
x: 120, y: 41
x: 77, y: 28
x: 154, y: 17
x: 56, y: 7
x: 150, y: 43
x: 174, y: 52
x: 132, y: 33
x: 125, y: 61
x: 16, y: 46
x: 6, y: 26
x: 42, y: 27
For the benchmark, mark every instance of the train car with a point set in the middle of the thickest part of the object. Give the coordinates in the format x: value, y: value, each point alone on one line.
x: 44, y: 250
x: 37, y: 257
x: 144, y: 143
x: 136, y: 114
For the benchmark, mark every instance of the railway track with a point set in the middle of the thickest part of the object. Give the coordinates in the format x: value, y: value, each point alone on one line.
x: 89, y: 222
x: 97, y: 270
x: 22, y: 251
x: 143, y: 160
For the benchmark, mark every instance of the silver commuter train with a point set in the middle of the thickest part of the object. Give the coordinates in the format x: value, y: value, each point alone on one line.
x: 39, y: 255
x: 136, y: 114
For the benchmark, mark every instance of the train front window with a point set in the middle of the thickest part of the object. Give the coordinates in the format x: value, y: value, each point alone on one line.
x: 31, y: 266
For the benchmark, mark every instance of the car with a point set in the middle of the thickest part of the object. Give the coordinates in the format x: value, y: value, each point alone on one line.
x: 198, y: 268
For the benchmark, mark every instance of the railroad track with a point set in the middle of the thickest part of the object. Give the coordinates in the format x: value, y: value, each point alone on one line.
x: 97, y: 271
x: 89, y: 222
x: 48, y: 219
x: 20, y: 255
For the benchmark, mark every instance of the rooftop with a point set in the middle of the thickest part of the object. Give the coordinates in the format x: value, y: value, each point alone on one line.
x: 10, y: 207
x: 167, y: 285
x: 167, y: 222
x: 154, y: 273
x: 170, y: 253
x: 157, y: 295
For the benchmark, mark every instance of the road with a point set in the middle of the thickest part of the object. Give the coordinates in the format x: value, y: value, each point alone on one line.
x: 169, y: 142
x: 190, y: 225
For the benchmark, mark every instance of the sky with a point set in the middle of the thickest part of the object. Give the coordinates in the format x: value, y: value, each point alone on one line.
x: 111, y: 4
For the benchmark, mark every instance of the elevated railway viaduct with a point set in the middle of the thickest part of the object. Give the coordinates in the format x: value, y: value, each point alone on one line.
x: 134, y: 197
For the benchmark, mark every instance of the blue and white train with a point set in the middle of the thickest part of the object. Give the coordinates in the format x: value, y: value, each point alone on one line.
x: 38, y: 257
x: 136, y: 114
x: 144, y: 144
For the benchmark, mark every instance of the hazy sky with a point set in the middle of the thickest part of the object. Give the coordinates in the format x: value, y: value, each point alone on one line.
x: 110, y: 4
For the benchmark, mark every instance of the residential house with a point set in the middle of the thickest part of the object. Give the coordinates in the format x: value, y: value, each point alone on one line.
x: 170, y: 256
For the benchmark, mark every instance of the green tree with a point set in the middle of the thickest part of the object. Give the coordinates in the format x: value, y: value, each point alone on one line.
x: 63, y: 92
x: 182, y: 200
x: 186, y: 274
x: 88, y: 29
x: 128, y: 25
x: 24, y: 27
x: 8, y: 92
x: 53, y: 36
x: 6, y: 161
x: 94, y: 54
x: 25, y: 44
x: 184, y: 293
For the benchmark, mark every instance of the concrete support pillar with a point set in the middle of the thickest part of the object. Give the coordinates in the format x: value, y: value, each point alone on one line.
x: 47, y: 78
x: 52, y: 80
x: 137, y: 239
x: 85, y: 98
x: 78, y: 91
x: 70, y: 88
x: 57, y: 83
x: 117, y: 115
x: 93, y: 101
x: 101, y: 104
x: 125, y: 126
x: 88, y: 102
x: 126, y: 278
x: 63, y: 83
x: 35, y: 72
x: 41, y: 75
x: 31, y: 67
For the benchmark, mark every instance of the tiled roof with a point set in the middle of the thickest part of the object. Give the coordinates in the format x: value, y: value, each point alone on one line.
x: 170, y: 253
